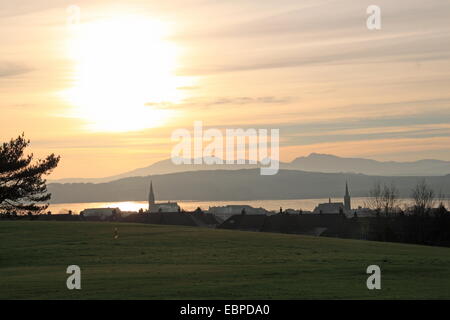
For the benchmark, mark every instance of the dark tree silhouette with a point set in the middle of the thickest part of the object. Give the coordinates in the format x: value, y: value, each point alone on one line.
x: 383, y: 198
x: 424, y: 198
x: 21, y: 182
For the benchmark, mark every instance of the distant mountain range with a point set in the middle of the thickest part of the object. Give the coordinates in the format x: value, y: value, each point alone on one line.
x: 239, y: 185
x: 312, y: 163
x: 329, y: 163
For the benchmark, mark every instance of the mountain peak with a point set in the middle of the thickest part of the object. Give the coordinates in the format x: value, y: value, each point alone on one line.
x: 321, y: 155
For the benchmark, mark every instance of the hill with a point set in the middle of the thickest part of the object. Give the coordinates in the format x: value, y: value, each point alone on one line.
x: 330, y: 163
x: 166, y: 262
x: 238, y: 185
x: 313, y: 163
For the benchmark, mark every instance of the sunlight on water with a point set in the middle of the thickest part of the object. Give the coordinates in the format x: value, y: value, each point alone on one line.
x: 304, y: 204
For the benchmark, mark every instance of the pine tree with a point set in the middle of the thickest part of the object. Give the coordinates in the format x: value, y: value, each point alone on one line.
x: 22, y: 185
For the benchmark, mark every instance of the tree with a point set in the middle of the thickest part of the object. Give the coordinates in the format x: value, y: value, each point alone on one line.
x: 423, y: 197
x: 383, y: 198
x: 22, y: 185
x: 390, y: 198
x: 441, y: 200
x: 374, y: 200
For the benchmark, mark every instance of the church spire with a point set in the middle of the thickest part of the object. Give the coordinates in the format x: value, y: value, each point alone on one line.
x: 151, y: 196
x: 347, y: 199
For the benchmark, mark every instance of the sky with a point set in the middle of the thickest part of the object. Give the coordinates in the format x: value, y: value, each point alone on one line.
x: 105, y: 83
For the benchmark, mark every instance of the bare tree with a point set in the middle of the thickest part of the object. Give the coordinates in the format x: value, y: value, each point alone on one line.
x: 383, y: 198
x: 390, y: 198
x: 374, y: 200
x: 423, y: 197
x: 442, y: 200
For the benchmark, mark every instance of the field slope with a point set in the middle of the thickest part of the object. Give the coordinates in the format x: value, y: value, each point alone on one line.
x: 167, y: 262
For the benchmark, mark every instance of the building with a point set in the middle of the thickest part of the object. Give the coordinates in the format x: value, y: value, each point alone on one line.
x: 195, y: 218
x: 101, y: 213
x: 364, y: 212
x: 161, y: 206
x: 330, y: 208
x: 224, y: 212
x: 295, y: 211
x: 336, y: 207
x: 333, y: 225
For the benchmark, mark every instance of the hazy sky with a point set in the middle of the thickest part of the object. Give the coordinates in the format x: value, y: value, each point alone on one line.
x: 106, y: 93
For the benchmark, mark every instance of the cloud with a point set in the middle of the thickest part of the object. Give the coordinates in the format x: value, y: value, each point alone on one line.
x: 19, y: 7
x: 320, y: 33
x: 328, y: 18
x: 245, y: 100
x: 419, y: 46
x: 222, y: 101
x: 12, y: 69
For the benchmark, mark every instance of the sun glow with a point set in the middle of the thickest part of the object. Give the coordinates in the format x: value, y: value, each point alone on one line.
x: 124, y: 67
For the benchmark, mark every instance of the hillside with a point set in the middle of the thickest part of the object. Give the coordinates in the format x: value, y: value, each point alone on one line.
x: 330, y: 163
x: 165, y: 262
x: 314, y: 162
x: 237, y: 185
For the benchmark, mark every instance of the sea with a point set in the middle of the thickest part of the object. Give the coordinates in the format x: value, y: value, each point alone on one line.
x: 271, y: 205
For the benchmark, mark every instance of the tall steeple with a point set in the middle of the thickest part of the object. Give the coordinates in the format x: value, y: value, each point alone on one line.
x: 347, y: 199
x: 151, y: 196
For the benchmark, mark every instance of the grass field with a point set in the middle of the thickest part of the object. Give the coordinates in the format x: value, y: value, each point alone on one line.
x: 168, y: 262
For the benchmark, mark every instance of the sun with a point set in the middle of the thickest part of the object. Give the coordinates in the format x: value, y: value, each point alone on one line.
x: 123, y: 68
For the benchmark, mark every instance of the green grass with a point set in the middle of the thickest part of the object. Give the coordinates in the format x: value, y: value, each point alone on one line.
x: 172, y: 262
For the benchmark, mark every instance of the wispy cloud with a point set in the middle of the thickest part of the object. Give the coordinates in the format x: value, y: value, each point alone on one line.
x: 207, y: 102
x: 8, y: 69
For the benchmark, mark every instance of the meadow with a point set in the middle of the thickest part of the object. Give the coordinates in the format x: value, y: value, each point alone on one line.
x: 174, y: 262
